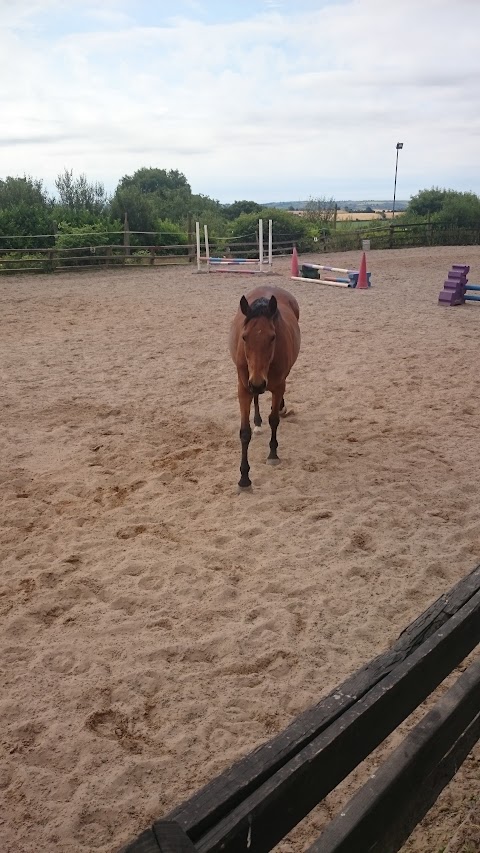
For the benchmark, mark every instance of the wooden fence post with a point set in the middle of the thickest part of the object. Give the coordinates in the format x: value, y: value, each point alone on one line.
x: 429, y: 230
x: 126, y: 237
x: 190, y: 250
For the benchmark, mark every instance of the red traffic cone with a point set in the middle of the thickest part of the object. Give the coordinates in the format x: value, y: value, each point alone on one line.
x: 294, y: 263
x: 362, y: 276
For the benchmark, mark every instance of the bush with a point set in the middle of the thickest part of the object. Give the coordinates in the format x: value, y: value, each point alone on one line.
x: 20, y: 225
x: 461, y: 210
x: 37, y: 262
x: 170, y: 234
x: 76, y: 244
x: 286, y: 227
x: 446, y: 207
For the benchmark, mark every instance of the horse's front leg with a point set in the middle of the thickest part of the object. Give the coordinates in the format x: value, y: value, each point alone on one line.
x: 257, y: 418
x: 245, y: 400
x: 274, y: 420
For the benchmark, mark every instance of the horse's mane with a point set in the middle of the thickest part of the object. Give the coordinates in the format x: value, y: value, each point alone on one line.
x: 260, y: 308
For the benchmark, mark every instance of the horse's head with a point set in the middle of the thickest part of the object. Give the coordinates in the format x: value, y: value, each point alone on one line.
x: 259, y: 340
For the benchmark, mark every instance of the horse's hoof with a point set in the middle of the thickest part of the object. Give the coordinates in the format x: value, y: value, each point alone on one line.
x: 273, y: 461
x: 257, y: 430
x: 242, y: 489
x: 285, y: 413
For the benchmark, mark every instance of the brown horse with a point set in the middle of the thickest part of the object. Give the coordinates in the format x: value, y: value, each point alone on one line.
x: 264, y: 344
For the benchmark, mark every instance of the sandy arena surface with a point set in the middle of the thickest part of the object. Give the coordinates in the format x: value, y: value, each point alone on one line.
x: 155, y: 625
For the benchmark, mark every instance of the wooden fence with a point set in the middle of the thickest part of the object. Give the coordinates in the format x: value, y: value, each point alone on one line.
x: 43, y: 260
x: 261, y: 798
x: 49, y: 259
x: 58, y: 260
x: 398, y: 235
x: 40, y: 254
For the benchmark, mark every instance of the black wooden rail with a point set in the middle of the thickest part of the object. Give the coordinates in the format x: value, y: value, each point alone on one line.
x: 263, y: 796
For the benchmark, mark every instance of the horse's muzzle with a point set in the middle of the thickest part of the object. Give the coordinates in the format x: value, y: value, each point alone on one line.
x: 257, y: 389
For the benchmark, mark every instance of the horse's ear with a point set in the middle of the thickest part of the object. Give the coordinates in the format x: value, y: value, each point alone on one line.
x: 272, y: 306
x: 244, y: 306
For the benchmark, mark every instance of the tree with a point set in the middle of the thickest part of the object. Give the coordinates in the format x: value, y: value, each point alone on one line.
x: 320, y: 211
x: 26, y: 190
x: 151, y: 194
x: 232, y: 211
x: 78, y: 194
x: 446, y: 207
x: 140, y: 210
x: 25, y: 210
x: 157, y: 181
x: 427, y: 201
x: 460, y: 209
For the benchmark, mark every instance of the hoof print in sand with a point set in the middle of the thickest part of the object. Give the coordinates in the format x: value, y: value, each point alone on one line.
x: 131, y: 532
x: 113, y: 725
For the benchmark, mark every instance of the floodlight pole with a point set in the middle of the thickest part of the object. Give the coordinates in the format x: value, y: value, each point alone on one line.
x: 399, y: 147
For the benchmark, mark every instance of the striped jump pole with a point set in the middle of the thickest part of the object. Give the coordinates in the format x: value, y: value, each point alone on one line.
x: 270, y: 245
x: 260, y: 245
x: 331, y: 281
x: 317, y: 273
x: 333, y: 269
x: 469, y: 298
x: 231, y: 261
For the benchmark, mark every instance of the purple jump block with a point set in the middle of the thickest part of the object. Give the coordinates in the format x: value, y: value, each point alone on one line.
x: 457, y: 275
x: 450, y: 297
x: 453, y: 285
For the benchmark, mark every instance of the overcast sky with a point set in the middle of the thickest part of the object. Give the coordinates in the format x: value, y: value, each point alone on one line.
x: 270, y: 100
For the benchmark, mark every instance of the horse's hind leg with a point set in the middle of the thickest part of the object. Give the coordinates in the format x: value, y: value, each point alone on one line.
x: 283, y: 409
x: 257, y: 418
x: 274, y: 420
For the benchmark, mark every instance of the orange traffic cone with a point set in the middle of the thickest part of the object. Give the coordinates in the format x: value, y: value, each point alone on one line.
x: 362, y: 276
x: 294, y: 263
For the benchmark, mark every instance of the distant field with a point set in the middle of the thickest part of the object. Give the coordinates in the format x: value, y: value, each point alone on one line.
x: 347, y: 216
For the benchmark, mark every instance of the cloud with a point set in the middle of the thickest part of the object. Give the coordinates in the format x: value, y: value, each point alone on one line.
x: 38, y: 139
x: 291, y: 97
